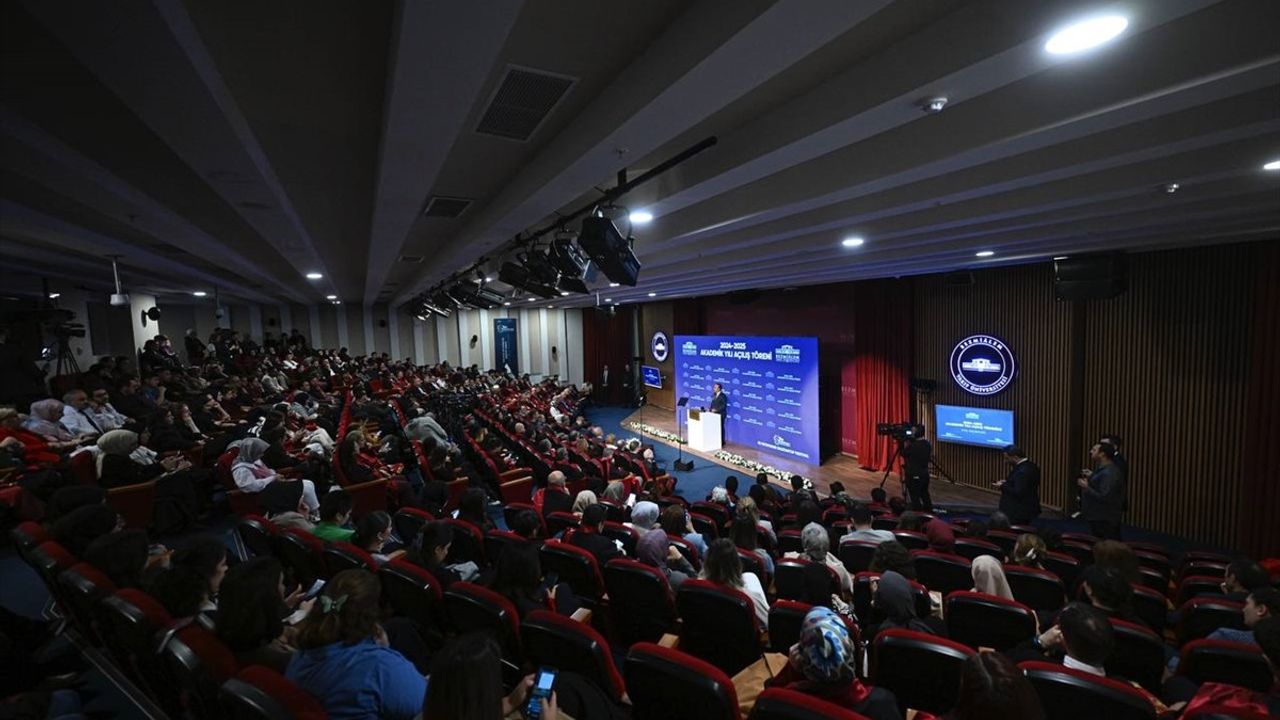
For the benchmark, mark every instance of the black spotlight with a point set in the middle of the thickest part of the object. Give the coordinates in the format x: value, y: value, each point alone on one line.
x: 518, y: 276
x: 610, y: 251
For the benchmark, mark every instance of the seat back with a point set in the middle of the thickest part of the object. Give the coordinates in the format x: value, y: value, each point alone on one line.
x: 1038, y: 589
x: 472, y: 607
x: 943, y: 572
x: 339, y: 556
x: 972, y: 548
x: 1151, y: 607
x: 260, y: 693
x: 1193, y: 586
x: 785, y: 619
x: 1221, y: 661
x: 790, y: 540
x: 857, y: 554
x: 134, y: 503
x: 1066, y: 693
x: 558, y: 522
x: 468, y: 543
x: 575, y: 566
x: 1006, y: 539
x: 1082, y: 552
x: 911, y: 539
x: 129, y: 621
x: 222, y: 468
x: 553, y: 640
x: 26, y: 536
x: 198, y: 664
x: 705, y: 525
x: 411, y: 591
x: 686, y: 549
x: 303, y: 554
x: 1200, y: 616
x: 719, y: 625
x: 496, y: 540
x: 408, y: 522
x: 783, y: 704
x: 1066, y: 567
x: 921, y: 670
x: 718, y: 513
x: 666, y: 684
x: 804, y: 580
x: 622, y: 533
x: 980, y: 620
x: 640, y: 601
x: 257, y: 534
x: 1138, y: 655
x: 753, y: 563
x: 83, y: 587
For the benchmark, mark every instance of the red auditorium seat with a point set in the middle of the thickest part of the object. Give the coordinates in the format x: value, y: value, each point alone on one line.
x: 791, y: 577
x: 790, y: 540
x: 1200, y: 616
x: 640, y: 601
x: 408, y: 522
x: 980, y: 620
x: 576, y: 567
x: 1193, y: 586
x: 719, y: 625
x: 509, y: 512
x: 496, y: 540
x: 198, y: 664
x: 1066, y: 567
x: 705, y: 526
x: 553, y: 640
x: 339, y: 556
x: 785, y: 619
x: 911, y: 539
x: 260, y: 693
x: 84, y: 587
x: 1226, y: 662
x: 857, y: 554
x: 1067, y: 694
x: 921, y: 670
x: 715, y: 511
x: 242, y: 503
x: 1082, y: 538
x: 516, y: 490
x: 783, y: 704
x: 1156, y: 563
x: 472, y: 607
x: 1082, y: 552
x: 83, y: 468
x: 753, y: 563
x: 943, y: 572
x: 1138, y: 655
x: 49, y: 559
x: 558, y: 522
x: 135, y: 503
x: 26, y: 536
x: 686, y: 549
x: 1038, y: 589
x: 1202, y: 567
x: 624, y: 534
x: 468, y: 542
x: 972, y: 548
x: 666, y: 684
x: 1006, y: 539
x: 884, y: 522
x: 1148, y: 547
x: 1151, y: 606
x: 367, y: 497
x: 257, y: 534
x: 129, y: 622
x: 411, y: 591
x: 303, y: 553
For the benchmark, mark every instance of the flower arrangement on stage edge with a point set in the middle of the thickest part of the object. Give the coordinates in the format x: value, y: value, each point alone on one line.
x: 722, y: 455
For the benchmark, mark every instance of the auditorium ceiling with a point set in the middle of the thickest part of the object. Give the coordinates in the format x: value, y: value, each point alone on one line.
x: 240, y: 146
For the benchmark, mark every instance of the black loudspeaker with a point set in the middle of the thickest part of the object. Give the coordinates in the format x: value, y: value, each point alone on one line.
x: 1091, y: 277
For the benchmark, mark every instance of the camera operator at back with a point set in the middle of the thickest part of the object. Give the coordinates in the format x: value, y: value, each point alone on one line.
x: 917, y: 452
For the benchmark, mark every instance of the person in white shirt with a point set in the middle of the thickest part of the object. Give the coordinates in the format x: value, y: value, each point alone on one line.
x: 860, y: 518
x: 92, y: 418
x: 722, y: 566
x: 253, y: 476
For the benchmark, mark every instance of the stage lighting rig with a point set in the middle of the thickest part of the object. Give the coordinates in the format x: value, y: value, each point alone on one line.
x: 468, y: 292
x: 520, y: 277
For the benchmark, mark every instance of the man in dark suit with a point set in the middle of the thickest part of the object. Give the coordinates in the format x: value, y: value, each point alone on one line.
x: 1020, y: 491
x: 1102, y: 493
x: 720, y: 405
x: 589, y: 538
x: 555, y: 496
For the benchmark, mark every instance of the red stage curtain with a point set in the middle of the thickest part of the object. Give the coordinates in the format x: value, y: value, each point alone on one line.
x: 882, y: 334
x: 606, y: 340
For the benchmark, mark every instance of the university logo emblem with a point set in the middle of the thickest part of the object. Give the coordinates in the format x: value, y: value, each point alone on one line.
x: 658, y: 346
x: 982, y: 365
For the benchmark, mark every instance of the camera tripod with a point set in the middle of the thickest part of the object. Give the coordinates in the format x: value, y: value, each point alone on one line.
x: 897, y: 453
x: 65, y: 362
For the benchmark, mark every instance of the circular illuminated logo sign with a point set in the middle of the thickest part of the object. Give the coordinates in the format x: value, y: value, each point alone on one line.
x: 982, y: 365
x: 658, y: 346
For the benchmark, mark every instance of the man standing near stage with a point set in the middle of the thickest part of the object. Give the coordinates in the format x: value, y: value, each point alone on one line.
x: 1020, y: 491
x: 720, y: 405
x: 1102, y: 493
x: 917, y: 452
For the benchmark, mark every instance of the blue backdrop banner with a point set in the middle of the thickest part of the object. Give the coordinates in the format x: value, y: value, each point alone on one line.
x: 771, y: 383
x: 506, y: 354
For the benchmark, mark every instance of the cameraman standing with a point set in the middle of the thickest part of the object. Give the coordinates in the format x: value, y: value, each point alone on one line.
x: 917, y: 451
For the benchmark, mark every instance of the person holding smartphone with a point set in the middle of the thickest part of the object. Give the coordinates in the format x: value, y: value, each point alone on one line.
x: 466, y: 684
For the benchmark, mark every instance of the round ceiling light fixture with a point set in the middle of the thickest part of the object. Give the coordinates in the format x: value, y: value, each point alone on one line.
x: 314, y: 276
x: 1086, y: 34
x: 199, y: 293
x: 985, y: 253
x: 330, y: 297
x: 852, y: 241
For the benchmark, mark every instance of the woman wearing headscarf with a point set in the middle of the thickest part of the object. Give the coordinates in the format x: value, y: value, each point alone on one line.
x: 988, y: 577
x: 941, y: 537
x: 644, y: 515
x: 120, y: 465
x: 584, y: 500
x: 655, y: 550
x: 894, y: 597
x: 44, y: 421
x: 822, y: 664
x: 253, y: 476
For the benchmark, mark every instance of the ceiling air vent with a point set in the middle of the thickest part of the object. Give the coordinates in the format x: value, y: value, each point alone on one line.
x: 440, y: 206
x: 415, y: 259
x: 522, y: 101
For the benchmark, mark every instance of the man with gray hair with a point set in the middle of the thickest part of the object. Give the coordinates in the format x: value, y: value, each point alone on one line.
x: 554, y: 497
x: 817, y: 548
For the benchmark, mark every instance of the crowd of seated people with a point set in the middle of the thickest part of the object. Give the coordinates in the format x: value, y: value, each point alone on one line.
x: 487, y: 480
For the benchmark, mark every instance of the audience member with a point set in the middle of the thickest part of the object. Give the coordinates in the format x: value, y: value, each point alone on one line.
x: 519, y: 579
x: 251, y: 611
x: 554, y: 497
x: 1243, y: 576
x: 1082, y: 640
x: 589, y: 537
x: 253, y: 476
x: 988, y: 577
x: 895, y: 598
x: 208, y: 558
x: 893, y: 556
x: 941, y: 537
x: 644, y: 515
x: 473, y: 508
x: 1029, y: 551
x: 860, y: 518
x: 80, y: 527
x: 745, y: 537
x: 655, y: 550
x: 372, y: 534
x: 993, y: 688
x: 466, y: 684
x: 723, y: 567
x: 335, y: 513
x: 676, y: 522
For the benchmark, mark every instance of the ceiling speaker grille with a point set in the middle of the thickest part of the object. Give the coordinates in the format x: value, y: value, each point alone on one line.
x: 522, y: 102
x: 440, y: 206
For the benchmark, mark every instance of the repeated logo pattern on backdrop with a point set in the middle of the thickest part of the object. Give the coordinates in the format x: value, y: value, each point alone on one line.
x: 772, y: 384
x: 982, y: 365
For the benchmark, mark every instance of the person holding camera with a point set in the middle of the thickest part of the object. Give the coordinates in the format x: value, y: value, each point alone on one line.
x: 917, y: 452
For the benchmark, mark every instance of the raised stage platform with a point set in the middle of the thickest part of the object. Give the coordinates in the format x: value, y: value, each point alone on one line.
x: 839, y: 468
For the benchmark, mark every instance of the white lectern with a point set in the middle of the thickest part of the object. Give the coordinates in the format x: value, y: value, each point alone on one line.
x: 704, y: 431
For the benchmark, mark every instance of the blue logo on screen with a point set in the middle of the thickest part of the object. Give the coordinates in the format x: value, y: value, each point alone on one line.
x: 652, y: 376
x: 658, y: 346
x: 982, y: 365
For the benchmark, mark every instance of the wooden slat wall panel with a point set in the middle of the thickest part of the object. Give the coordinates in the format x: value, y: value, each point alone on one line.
x: 1167, y: 369
x: 1016, y: 305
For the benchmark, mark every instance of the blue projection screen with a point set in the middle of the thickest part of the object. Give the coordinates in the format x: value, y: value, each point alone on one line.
x: 974, y: 426
x: 771, y: 383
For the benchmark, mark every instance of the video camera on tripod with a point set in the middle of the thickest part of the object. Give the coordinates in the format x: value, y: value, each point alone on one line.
x: 901, y: 432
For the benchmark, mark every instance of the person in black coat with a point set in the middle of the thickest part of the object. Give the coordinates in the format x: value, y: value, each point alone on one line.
x: 1103, y: 493
x: 1020, y: 491
x: 589, y: 538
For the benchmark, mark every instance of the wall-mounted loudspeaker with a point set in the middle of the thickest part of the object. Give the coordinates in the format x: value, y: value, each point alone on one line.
x: 272, y: 322
x: 382, y: 323
x: 474, y: 339
x: 1090, y: 277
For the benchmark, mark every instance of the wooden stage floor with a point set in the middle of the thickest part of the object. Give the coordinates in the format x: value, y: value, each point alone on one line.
x: 838, y: 468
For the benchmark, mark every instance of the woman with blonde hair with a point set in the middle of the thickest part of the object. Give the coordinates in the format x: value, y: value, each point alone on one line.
x: 1029, y: 551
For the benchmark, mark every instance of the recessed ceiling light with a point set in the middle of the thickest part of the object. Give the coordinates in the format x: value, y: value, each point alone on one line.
x: 653, y: 294
x: 330, y: 297
x: 1086, y: 34
x: 199, y: 293
x: 985, y: 253
x: 1060, y: 257
x: 314, y: 276
x: 564, y: 292
x: 640, y: 217
x: 54, y: 296
x: 852, y: 241
x: 551, y: 307
x: 613, y: 284
x: 608, y: 299
x: 1170, y: 188
x: 1272, y: 166
x: 506, y: 304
